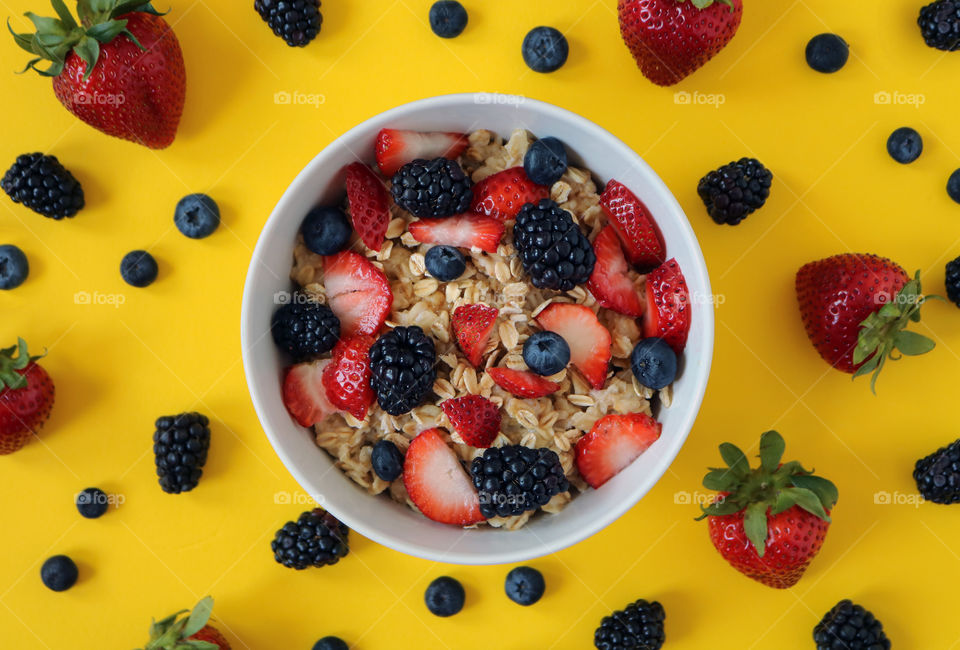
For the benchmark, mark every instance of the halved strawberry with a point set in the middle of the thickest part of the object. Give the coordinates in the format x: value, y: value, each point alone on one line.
x: 357, y: 292
x: 668, y: 306
x: 590, y: 342
x: 437, y: 483
x: 347, y: 378
x: 613, y: 443
x: 369, y: 205
x: 395, y: 148
x: 463, y: 230
x: 525, y: 385
x: 503, y: 194
x: 472, y: 325
x: 474, y: 417
x: 634, y: 224
x: 609, y: 282
x: 304, y: 394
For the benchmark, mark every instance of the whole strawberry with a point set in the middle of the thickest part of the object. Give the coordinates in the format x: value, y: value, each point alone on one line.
x: 671, y: 39
x: 768, y: 522
x: 120, y: 69
x: 187, y: 633
x: 856, y: 308
x: 26, y: 397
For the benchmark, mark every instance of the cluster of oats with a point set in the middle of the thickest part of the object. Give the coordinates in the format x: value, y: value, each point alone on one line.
x: 556, y: 422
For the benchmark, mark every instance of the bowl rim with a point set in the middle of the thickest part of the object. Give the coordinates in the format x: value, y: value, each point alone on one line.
x: 546, y: 546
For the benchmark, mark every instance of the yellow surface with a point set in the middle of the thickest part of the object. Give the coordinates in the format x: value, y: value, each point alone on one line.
x: 175, y: 346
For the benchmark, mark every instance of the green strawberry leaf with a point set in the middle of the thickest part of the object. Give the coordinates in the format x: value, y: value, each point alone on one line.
x: 720, y: 508
x: 735, y: 458
x: 106, y: 32
x: 65, y: 16
x: 47, y: 25
x: 721, y: 480
x: 912, y: 344
x: 825, y: 490
x: 199, y: 616
x: 807, y: 500
x: 88, y: 49
x: 772, y: 447
x: 755, y: 526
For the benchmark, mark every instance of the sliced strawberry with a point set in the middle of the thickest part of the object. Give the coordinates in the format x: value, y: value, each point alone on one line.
x: 613, y: 443
x: 357, y: 292
x: 437, y: 483
x: 475, y: 418
x: 347, y: 378
x: 369, y: 205
x: 503, y: 194
x: 522, y: 384
x: 634, y: 224
x: 590, y: 342
x: 609, y: 282
x: 472, y: 325
x: 395, y: 148
x: 464, y: 230
x: 668, y: 306
x: 304, y: 394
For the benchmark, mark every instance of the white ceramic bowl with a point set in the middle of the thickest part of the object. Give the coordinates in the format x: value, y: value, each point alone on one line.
x: 379, y: 518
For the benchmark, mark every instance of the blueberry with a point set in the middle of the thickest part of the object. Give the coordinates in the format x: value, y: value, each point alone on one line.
x: 525, y: 585
x: 448, y: 18
x: 197, y: 216
x: 654, y: 363
x: 827, y: 53
x: 905, y: 145
x: 59, y: 573
x: 546, y: 353
x: 92, y: 503
x: 545, y: 49
x: 953, y: 186
x: 138, y: 269
x: 444, y: 597
x: 326, y: 230
x: 387, y: 461
x: 14, y: 267
x: 445, y: 263
x: 331, y: 643
x: 546, y: 161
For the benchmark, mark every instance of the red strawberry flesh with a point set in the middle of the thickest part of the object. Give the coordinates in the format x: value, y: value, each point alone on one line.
x: 475, y: 418
x: 472, y: 326
x: 519, y: 383
x: 369, y: 205
x: 437, y: 482
x: 357, y: 292
x: 304, y: 394
x: 667, y: 313
x: 590, y: 342
x: 347, y: 379
x: 463, y: 231
x: 634, y: 224
x: 614, y: 442
x: 501, y: 195
x: 609, y: 282
x: 395, y: 147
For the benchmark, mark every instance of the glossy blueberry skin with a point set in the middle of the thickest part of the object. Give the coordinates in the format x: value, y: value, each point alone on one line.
x: 545, y: 49
x: 953, y: 186
x: 654, y: 363
x: 59, y: 573
x: 546, y: 353
x: 545, y: 161
x: 905, y: 145
x: 448, y: 18
x: 139, y: 269
x: 331, y: 643
x: 445, y: 597
x: 197, y: 216
x: 827, y: 53
x: 92, y: 503
x: 445, y: 263
x: 525, y: 585
x: 326, y: 230
x: 14, y: 267
x: 387, y: 461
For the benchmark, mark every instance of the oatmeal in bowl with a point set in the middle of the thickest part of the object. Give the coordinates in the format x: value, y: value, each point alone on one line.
x: 482, y: 330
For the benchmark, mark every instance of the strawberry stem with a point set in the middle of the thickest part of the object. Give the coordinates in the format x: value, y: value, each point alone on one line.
x: 10, y: 364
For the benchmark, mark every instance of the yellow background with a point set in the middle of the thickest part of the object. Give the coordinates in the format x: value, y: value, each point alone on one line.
x: 175, y: 346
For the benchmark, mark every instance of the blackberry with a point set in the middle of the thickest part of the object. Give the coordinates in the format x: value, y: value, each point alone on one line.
x: 403, y: 369
x: 953, y: 281
x: 938, y: 475
x: 940, y: 24
x: 180, y: 445
x: 639, y: 626
x: 42, y: 184
x: 734, y: 191
x: 316, y: 539
x: 514, y: 479
x: 432, y: 188
x: 304, y: 329
x: 850, y: 627
x: 554, y: 251
x: 295, y: 21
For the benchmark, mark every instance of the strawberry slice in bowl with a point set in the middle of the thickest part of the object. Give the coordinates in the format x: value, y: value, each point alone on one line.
x: 668, y: 306
x: 501, y: 195
x: 590, y: 342
x: 369, y: 205
x: 437, y: 482
x: 462, y: 231
x: 610, y: 283
x: 396, y: 147
x: 613, y: 443
x: 633, y: 222
x: 358, y: 293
